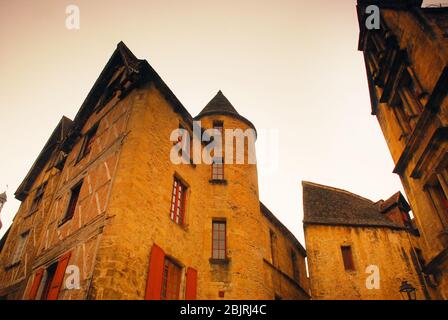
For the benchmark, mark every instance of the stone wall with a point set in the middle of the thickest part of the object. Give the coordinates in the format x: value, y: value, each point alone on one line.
x: 388, y: 249
x: 421, y: 153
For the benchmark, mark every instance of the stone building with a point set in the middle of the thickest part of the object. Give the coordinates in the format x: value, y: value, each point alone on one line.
x: 104, y: 198
x: 359, y: 249
x: 407, y: 71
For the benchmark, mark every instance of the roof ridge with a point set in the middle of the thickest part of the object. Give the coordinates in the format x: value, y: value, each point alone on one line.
x: 332, y: 206
x: 337, y: 190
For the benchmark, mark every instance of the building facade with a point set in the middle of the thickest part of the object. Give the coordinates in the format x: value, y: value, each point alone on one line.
x: 104, y: 198
x: 407, y: 70
x: 358, y: 249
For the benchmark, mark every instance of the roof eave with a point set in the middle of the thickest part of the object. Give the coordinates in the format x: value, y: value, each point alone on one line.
x: 354, y: 225
x: 268, y: 214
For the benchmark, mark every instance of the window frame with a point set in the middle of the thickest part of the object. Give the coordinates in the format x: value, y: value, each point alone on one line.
x: 177, y: 202
x: 295, y: 267
x: 88, y: 139
x: 72, y: 204
x: 217, y: 167
x: 20, y: 247
x: 347, y: 258
x: 274, y: 247
x: 38, y: 197
x: 49, y: 275
x: 438, y: 198
x: 220, y: 242
x: 218, y: 176
x: 169, y: 264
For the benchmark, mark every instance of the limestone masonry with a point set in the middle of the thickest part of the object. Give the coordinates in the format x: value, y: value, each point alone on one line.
x: 105, y: 213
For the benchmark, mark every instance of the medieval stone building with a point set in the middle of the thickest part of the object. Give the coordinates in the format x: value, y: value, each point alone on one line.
x: 104, y: 198
x: 359, y: 249
x: 407, y: 71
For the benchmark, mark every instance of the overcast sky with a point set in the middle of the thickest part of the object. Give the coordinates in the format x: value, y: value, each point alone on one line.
x: 289, y: 66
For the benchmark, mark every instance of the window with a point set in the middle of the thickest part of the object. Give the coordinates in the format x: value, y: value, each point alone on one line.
x: 38, y: 197
x: 441, y: 197
x: 185, y: 141
x: 178, y: 202
x: 218, y: 169
x: 219, y: 125
x: 295, y: 268
x: 74, y: 196
x: 436, y: 188
x: 171, y: 280
x: 402, y: 117
x: 347, y: 257
x: 219, y: 240
x: 218, y: 162
x: 89, y: 139
x: 273, y: 239
x: 420, y: 258
x: 48, y: 279
x: 20, y: 247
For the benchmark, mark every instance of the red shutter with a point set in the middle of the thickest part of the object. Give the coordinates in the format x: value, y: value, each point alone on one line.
x: 192, y: 279
x: 58, y: 278
x: 155, y: 274
x: 36, y: 283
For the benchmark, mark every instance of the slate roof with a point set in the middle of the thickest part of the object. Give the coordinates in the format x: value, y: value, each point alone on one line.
x: 220, y: 105
x: 331, y: 206
x: 57, y: 137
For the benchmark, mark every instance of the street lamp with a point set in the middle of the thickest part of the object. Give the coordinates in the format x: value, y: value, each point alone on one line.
x: 408, y: 291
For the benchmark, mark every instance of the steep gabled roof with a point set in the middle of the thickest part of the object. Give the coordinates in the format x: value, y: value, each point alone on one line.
x: 220, y: 105
x: 67, y: 132
x: 57, y: 137
x: 140, y: 72
x: 331, y: 206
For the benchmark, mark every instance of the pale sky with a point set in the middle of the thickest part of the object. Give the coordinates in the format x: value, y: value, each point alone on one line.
x: 290, y: 66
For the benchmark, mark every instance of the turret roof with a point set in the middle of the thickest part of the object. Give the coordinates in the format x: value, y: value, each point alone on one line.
x: 220, y: 105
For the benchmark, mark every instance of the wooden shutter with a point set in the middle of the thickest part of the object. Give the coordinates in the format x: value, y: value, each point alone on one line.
x: 58, y: 278
x: 36, y: 283
x: 192, y: 279
x: 155, y: 274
